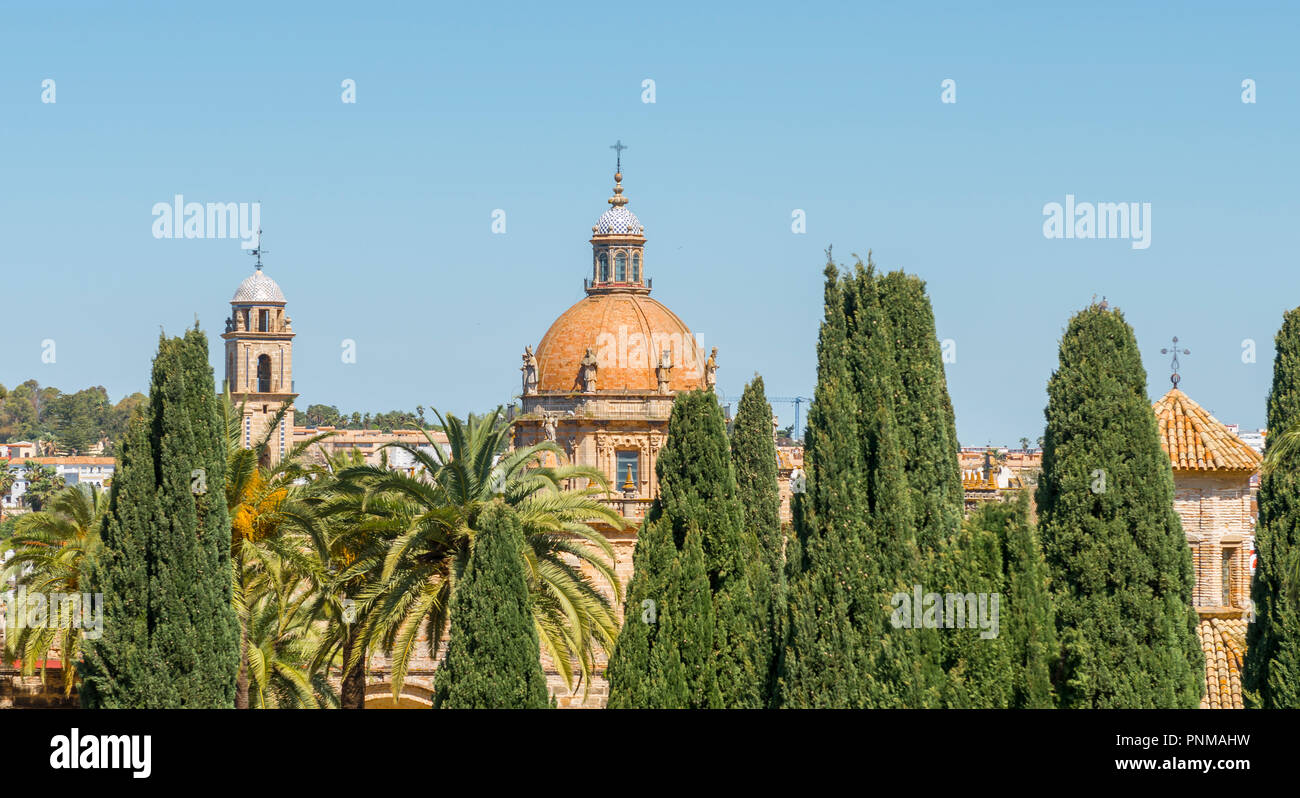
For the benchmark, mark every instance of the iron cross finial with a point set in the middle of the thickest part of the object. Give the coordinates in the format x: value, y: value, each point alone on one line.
x: 618, y: 148
x: 1173, y: 364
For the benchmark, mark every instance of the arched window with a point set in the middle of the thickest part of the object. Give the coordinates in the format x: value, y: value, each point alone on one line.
x: 604, y: 268
x: 636, y: 267
x: 263, y: 373
x: 620, y: 267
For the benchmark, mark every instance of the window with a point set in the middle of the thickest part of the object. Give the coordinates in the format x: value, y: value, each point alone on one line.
x: 264, y: 374
x: 263, y: 321
x: 620, y: 267
x: 604, y: 268
x: 1228, y: 556
x: 636, y: 267
x: 628, y: 469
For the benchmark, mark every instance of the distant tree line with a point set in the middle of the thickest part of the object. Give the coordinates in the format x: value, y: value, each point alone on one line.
x: 318, y: 415
x: 72, y: 422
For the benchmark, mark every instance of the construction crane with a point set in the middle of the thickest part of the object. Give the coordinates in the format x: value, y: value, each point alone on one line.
x: 798, y: 402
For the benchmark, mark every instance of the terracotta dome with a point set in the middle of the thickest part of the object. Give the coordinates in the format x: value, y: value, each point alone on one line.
x: 627, y: 333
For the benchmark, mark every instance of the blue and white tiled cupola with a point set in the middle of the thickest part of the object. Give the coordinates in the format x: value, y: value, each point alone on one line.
x: 618, y: 248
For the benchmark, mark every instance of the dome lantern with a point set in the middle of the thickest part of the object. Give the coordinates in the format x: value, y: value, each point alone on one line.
x: 618, y: 248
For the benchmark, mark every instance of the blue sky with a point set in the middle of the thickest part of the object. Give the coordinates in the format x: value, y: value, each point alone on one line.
x: 378, y: 214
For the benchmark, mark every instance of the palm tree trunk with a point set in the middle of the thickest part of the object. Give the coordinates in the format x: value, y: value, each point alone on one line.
x: 353, y: 692
x: 241, y: 682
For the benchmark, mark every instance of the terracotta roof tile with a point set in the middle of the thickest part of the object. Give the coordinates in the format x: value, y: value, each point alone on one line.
x: 1224, y: 644
x: 1196, y: 441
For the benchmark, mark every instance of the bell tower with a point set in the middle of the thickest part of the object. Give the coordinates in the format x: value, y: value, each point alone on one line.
x: 259, y: 360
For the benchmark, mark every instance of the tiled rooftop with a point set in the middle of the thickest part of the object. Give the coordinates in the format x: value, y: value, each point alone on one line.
x: 1224, y: 644
x: 1196, y: 441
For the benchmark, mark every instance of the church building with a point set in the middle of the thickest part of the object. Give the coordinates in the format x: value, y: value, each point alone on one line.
x: 259, y: 361
x: 602, y: 380
x: 1213, y: 497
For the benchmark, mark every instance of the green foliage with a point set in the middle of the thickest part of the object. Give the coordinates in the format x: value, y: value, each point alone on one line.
x: 318, y: 415
x: 171, y: 637
x: 753, y: 455
x: 43, y: 483
x: 1120, y: 568
x: 1028, y: 618
x: 997, y: 552
x: 857, y: 542
x: 75, y: 421
x: 493, y: 660
x: 50, y: 553
x: 697, y: 497
x: 7, y: 478
x: 697, y: 489
x: 424, y: 525
x: 1271, y: 675
x: 664, y: 656
x: 927, y: 428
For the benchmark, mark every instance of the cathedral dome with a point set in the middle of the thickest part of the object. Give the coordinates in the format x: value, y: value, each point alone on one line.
x: 627, y: 333
x: 258, y: 289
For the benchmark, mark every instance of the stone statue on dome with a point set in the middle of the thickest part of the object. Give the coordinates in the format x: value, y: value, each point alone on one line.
x: 664, y: 371
x: 711, y: 370
x: 588, y: 371
x: 530, y: 371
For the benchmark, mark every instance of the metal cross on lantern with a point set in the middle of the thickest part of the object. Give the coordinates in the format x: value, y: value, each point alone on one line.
x: 618, y: 148
x: 1173, y: 364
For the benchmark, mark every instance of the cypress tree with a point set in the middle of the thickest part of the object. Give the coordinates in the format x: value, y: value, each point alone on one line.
x: 493, y: 657
x: 697, y: 489
x: 998, y: 551
x: 165, y: 569
x: 977, y: 660
x: 1271, y: 674
x: 697, y: 494
x: 753, y: 453
x: 1028, y: 618
x: 1120, y: 568
x: 856, y: 542
x: 664, y: 655
x: 927, y: 440
x: 116, y: 671
x: 927, y: 428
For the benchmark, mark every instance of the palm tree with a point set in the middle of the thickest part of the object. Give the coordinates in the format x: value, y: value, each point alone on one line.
x: 42, y: 483
x: 7, y: 479
x: 431, y: 517
x: 346, y: 551
x: 283, y: 633
x: 270, y: 520
x: 51, y: 548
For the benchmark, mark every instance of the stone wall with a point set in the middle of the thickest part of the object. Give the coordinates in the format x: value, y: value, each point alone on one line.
x: 1218, y: 520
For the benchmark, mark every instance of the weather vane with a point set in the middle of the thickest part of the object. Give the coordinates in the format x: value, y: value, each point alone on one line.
x: 257, y: 251
x: 618, y: 148
x: 1173, y: 364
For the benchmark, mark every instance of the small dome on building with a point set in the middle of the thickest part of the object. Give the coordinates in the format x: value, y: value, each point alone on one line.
x: 619, y: 221
x: 258, y: 289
